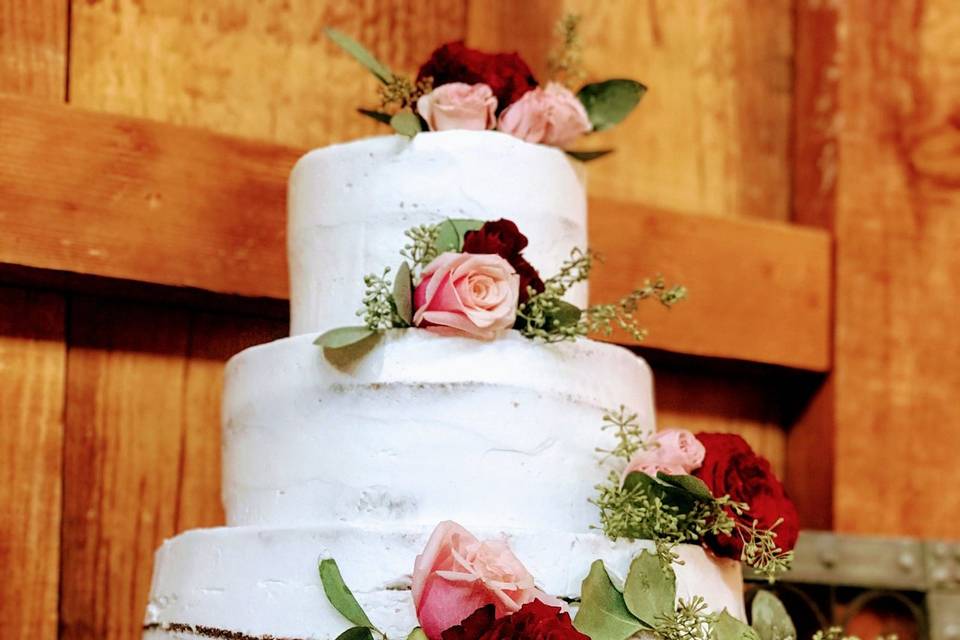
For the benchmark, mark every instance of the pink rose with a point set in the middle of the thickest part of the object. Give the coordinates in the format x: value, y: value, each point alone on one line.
x: 467, y: 294
x: 672, y: 451
x: 552, y: 116
x: 459, y: 106
x: 457, y: 574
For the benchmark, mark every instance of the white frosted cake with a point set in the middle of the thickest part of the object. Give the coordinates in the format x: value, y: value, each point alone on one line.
x: 359, y: 460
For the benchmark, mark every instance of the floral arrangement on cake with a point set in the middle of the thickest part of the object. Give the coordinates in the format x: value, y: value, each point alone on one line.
x: 463, y: 88
x: 708, y: 488
x: 470, y: 278
x: 467, y: 589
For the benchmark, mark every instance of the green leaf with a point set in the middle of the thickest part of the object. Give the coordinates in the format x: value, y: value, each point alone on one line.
x: 356, y: 633
x: 770, y: 618
x: 360, y: 54
x: 403, y: 293
x: 343, y: 337
x: 603, y: 615
x: 729, y: 628
x: 406, y: 123
x: 691, y: 484
x: 587, y: 156
x: 450, y: 233
x: 565, y: 315
x: 608, y: 103
x: 417, y: 634
x: 340, y: 595
x: 379, y: 116
x: 668, y: 493
x: 651, y: 589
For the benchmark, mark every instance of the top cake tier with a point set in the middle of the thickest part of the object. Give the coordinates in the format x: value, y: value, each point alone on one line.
x: 350, y: 204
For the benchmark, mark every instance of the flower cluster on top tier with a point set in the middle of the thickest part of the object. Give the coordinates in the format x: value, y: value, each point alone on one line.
x: 463, y: 88
x: 470, y: 278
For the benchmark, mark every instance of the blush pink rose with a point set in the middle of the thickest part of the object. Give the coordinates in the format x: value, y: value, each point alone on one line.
x: 459, y: 106
x: 552, y: 116
x: 457, y: 574
x: 672, y: 451
x: 467, y: 294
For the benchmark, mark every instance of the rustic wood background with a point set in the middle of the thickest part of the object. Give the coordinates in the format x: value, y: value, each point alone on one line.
x: 843, y: 116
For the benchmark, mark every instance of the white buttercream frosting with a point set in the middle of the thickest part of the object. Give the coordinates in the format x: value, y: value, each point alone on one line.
x: 350, y: 204
x: 265, y: 581
x: 425, y: 428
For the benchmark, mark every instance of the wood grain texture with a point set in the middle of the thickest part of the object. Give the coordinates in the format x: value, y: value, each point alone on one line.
x: 506, y: 25
x: 898, y: 269
x: 32, y: 372
x: 263, y: 70
x: 712, y: 135
x: 116, y: 196
x: 33, y: 48
x: 168, y: 205
x: 141, y: 452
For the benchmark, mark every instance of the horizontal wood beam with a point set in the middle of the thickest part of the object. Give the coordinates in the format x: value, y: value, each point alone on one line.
x: 120, y: 197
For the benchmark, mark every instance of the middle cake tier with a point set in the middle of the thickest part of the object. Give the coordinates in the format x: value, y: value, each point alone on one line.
x: 422, y: 428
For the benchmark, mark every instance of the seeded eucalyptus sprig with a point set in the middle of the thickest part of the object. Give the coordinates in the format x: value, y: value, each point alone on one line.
x: 691, y: 620
x: 379, y: 310
x: 422, y: 247
x: 630, y: 435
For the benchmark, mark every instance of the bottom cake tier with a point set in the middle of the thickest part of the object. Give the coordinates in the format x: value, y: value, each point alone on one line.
x: 254, y: 582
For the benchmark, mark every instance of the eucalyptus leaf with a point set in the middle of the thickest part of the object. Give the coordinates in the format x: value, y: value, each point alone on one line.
x: 403, y: 293
x: 650, y: 591
x: 691, y: 484
x: 406, y: 123
x: 451, y: 231
x: 417, y: 634
x: 770, y: 618
x: 669, y: 494
x: 603, y: 615
x: 340, y: 595
x: 360, y: 54
x: 729, y: 628
x: 566, y: 314
x: 356, y: 633
x: 379, y: 116
x: 608, y: 103
x: 343, y: 337
x: 587, y: 156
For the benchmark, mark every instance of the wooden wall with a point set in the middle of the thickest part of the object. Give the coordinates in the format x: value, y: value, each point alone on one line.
x: 109, y: 401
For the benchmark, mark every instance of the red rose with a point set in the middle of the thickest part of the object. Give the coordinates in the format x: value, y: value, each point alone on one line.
x: 506, y: 73
x: 730, y: 467
x: 534, y: 621
x: 503, y: 238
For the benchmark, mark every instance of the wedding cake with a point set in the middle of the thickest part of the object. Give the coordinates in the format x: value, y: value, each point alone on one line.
x: 368, y: 452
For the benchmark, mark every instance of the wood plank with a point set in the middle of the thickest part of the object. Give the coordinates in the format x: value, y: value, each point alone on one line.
x: 712, y: 135
x: 505, y: 25
x: 169, y: 205
x: 262, y: 70
x: 122, y: 460
x: 33, y: 48
x: 32, y: 373
x: 758, y: 291
x: 898, y: 269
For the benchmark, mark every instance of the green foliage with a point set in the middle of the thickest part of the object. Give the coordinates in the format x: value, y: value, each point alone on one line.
x: 836, y: 633
x: 356, y: 633
x: 650, y: 589
x: 603, y: 318
x: 760, y: 549
x: 340, y: 595
x: 608, y: 103
x: 629, y: 433
x: 402, y: 93
x: 360, y: 54
x: 379, y: 309
x: 403, y: 293
x: 587, y: 156
x: 406, y: 123
x: 770, y: 618
x: 565, y: 60
x: 451, y: 233
x: 343, y: 337
x: 603, y: 615
x: 422, y: 247
x: 379, y: 116
x: 417, y: 634
x: 689, y: 621
x: 726, y: 627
